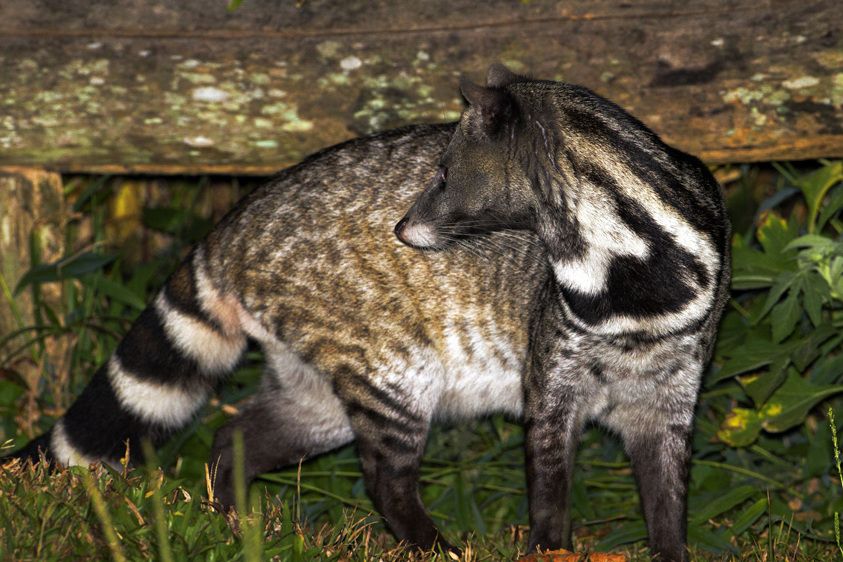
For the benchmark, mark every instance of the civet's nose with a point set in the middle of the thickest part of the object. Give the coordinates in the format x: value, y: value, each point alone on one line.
x: 399, y: 228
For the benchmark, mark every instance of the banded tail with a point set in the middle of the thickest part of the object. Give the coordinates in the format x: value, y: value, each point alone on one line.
x: 158, y: 377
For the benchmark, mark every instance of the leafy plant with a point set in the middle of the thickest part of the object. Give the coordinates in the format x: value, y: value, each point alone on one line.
x: 763, y: 475
x: 782, y: 338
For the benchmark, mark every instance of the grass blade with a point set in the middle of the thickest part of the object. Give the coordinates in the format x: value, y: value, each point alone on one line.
x: 164, y: 549
x: 102, y: 514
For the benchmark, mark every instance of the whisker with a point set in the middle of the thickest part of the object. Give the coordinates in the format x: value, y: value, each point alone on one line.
x: 502, y: 246
x: 508, y: 246
x: 513, y: 245
x: 471, y: 250
x: 516, y: 258
x: 510, y: 254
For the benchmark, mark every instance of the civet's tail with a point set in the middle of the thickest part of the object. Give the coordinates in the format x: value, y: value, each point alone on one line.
x: 159, y: 376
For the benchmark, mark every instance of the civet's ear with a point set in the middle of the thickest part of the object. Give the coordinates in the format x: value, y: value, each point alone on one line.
x: 489, y: 107
x: 499, y: 76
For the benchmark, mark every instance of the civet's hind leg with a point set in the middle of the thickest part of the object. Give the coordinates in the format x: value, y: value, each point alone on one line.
x: 657, y: 436
x: 391, y: 425
x: 293, y: 417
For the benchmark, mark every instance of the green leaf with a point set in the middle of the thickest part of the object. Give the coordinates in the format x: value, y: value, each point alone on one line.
x: 804, y: 354
x: 777, y: 198
x: 785, y: 315
x: 178, y: 222
x: 724, y: 503
x: 69, y: 267
x: 754, y: 354
x: 734, y: 330
x: 790, y: 404
x: 747, y: 517
x: 836, y: 274
x: 818, y: 458
x: 119, y: 292
x: 834, y: 205
x: 10, y: 392
x: 51, y: 315
x: 811, y: 241
x: 782, y: 283
x: 625, y: 534
x: 754, y: 269
x: 96, y: 190
x: 701, y: 536
x: 815, y: 185
x: 759, y: 387
x: 582, y: 502
x: 814, y: 291
x: 740, y: 428
x: 828, y: 370
x: 775, y: 233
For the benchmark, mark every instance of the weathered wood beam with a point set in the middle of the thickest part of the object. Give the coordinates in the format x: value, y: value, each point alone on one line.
x: 186, y: 87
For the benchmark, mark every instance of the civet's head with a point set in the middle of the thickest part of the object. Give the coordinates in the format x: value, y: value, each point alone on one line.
x: 482, y: 182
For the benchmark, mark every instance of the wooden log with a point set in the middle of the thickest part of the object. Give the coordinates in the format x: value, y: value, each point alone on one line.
x: 186, y: 87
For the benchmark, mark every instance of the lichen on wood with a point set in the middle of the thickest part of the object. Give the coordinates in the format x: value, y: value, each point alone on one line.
x: 183, y: 88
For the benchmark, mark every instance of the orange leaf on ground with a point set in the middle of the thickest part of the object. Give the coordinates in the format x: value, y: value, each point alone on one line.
x: 606, y: 557
x: 553, y: 556
x: 568, y: 556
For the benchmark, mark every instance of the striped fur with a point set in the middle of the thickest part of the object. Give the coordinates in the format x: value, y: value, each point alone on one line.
x: 637, y: 243
x: 158, y: 377
x: 588, y: 289
x: 365, y: 338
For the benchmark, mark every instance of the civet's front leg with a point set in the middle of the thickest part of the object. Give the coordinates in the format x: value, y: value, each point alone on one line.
x: 553, y: 421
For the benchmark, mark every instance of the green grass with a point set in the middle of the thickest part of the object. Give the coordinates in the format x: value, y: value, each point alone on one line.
x: 759, y: 491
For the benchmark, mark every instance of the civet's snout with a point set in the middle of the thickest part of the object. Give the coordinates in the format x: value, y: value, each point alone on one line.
x: 415, y: 233
x: 399, y: 229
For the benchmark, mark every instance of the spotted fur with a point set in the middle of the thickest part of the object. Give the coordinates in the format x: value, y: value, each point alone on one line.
x: 371, y: 340
x: 365, y: 338
x: 637, y: 242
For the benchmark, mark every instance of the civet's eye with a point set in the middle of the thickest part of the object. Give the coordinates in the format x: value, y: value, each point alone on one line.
x: 442, y: 177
